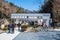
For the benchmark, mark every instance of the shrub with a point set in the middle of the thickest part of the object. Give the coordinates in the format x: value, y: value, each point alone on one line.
x: 6, y: 27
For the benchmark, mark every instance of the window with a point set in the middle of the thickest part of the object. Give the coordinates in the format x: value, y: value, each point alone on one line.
x: 32, y: 17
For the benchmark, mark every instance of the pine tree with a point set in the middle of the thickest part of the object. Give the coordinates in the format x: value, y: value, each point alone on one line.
x: 47, y: 7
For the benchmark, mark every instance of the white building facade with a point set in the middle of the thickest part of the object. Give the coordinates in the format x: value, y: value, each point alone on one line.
x: 32, y: 17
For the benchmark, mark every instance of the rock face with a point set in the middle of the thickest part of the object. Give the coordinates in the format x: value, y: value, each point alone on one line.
x: 56, y: 10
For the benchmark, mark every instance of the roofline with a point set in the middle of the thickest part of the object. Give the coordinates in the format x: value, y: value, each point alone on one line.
x: 30, y: 13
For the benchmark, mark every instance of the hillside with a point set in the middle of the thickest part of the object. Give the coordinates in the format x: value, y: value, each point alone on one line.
x: 7, y: 8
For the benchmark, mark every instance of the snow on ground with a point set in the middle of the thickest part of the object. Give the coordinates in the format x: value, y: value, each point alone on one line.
x: 56, y: 29
x: 8, y: 36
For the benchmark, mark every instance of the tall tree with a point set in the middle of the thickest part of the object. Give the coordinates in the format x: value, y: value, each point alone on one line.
x: 47, y: 7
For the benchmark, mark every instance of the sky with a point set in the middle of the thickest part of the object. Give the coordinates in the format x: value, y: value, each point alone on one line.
x: 28, y: 4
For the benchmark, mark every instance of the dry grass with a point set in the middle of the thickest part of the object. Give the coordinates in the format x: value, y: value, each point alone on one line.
x: 1, y: 31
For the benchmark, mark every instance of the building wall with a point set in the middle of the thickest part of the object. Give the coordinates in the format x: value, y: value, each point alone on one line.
x: 19, y: 15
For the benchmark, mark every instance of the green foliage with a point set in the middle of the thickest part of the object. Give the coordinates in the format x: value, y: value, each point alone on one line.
x: 20, y: 10
x: 11, y: 4
x: 58, y: 17
x: 2, y: 15
x: 10, y: 20
x: 6, y: 27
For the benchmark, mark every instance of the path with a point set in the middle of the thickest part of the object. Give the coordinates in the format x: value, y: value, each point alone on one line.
x: 8, y: 36
x: 43, y: 35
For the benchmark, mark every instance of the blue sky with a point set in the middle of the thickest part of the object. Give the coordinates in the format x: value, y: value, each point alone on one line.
x: 28, y: 4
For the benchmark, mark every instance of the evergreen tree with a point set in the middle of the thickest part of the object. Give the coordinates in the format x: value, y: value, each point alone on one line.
x: 47, y: 7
